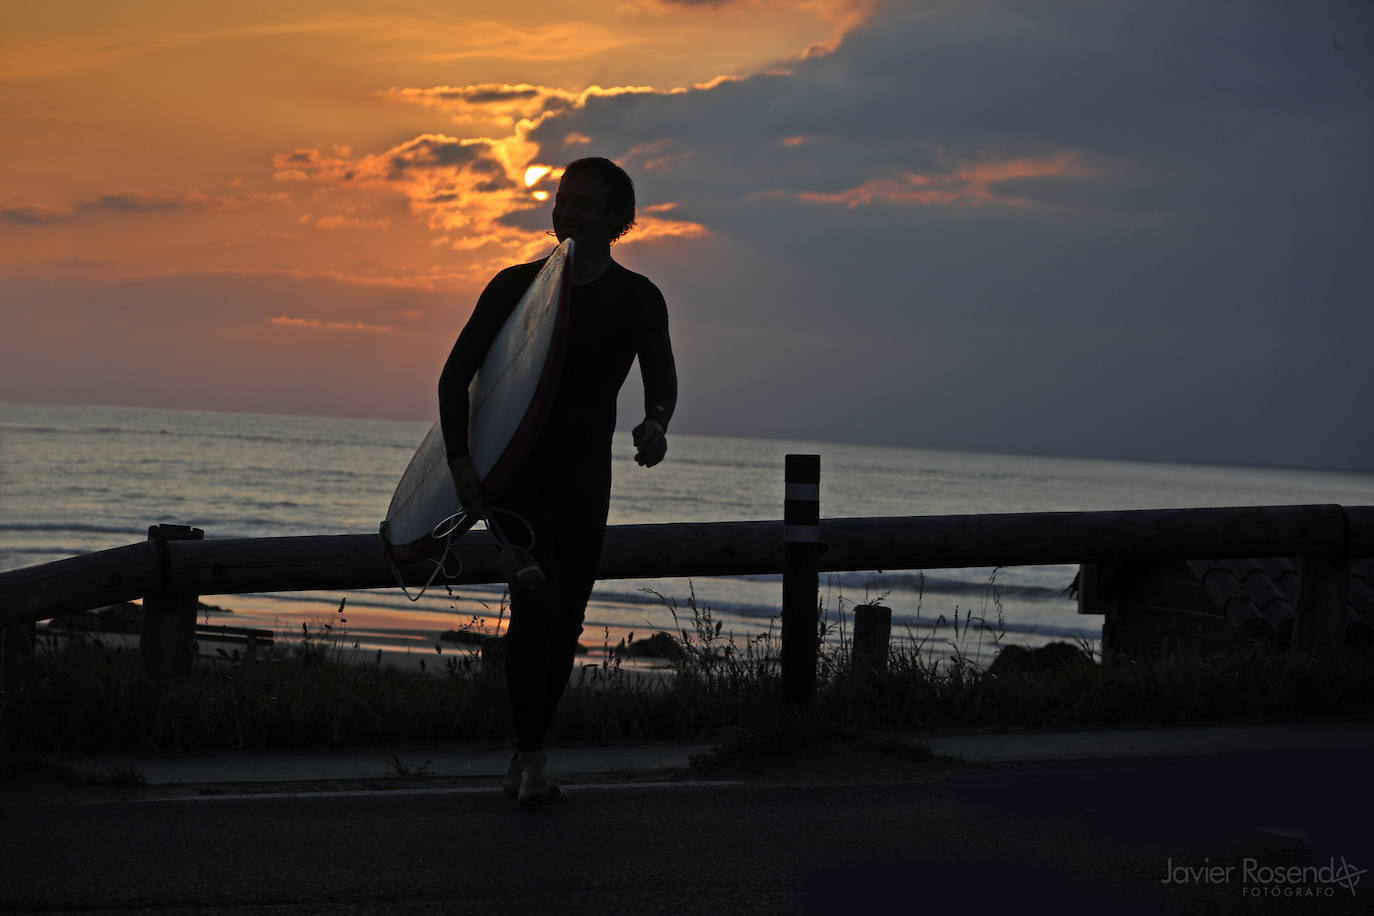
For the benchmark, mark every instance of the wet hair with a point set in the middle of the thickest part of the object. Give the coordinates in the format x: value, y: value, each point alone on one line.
x: 619, y: 188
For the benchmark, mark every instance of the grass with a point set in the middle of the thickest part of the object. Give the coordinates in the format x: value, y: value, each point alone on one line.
x: 81, y: 697
x: 122, y: 777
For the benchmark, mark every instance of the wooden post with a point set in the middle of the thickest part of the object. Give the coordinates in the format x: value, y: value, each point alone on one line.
x: 800, y: 560
x: 17, y: 640
x: 169, y: 616
x: 494, y: 656
x: 1319, y: 624
x: 872, y: 632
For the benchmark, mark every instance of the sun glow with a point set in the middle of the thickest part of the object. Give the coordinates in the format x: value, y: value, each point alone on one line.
x: 533, y: 174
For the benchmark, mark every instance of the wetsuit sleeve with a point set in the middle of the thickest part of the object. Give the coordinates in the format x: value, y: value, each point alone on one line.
x: 493, y: 308
x: 655, y: 351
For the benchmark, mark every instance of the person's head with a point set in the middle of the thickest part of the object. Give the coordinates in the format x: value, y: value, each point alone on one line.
x: 595, y: 201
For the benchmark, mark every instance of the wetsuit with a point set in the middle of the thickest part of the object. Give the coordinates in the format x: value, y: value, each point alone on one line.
x: 564, y: 488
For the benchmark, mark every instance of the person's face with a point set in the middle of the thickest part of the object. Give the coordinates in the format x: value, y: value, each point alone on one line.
x: 581, y: 209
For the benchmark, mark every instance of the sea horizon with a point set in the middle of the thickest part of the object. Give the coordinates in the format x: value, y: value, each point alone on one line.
x: 622, y: 426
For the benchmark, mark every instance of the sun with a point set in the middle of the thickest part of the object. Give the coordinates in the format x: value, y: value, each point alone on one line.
x: 532, y: 176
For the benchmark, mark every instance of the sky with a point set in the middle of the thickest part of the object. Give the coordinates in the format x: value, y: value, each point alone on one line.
x: 1133, y: 230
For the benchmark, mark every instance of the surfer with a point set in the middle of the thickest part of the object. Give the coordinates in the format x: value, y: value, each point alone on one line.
x: 563, y: 490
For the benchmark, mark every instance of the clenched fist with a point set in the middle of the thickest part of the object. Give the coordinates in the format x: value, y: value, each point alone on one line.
x: 651, y: 443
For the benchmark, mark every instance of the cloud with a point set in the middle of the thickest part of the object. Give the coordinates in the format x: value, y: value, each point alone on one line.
x: 518, y: 105
x: 650, y: 228
x: 429, y: 160
x: 140, y: 203
x: 130, y: 203
x: 508, y: 103
x: 29, y: 215
x: 431, y: 152
x: 321, y: 325
x: 843, y: 15
x: 486, y: 194
x: 961, y: 83
x: 971, y: 183
x: 464, y: 186
x: 463, y: 278
x: 339, y: 221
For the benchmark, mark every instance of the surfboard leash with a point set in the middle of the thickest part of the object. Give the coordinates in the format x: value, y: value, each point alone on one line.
x: 439, y: 567
x: 523, y: 567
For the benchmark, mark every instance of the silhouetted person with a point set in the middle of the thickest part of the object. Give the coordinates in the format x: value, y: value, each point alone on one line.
x: 563, y: 491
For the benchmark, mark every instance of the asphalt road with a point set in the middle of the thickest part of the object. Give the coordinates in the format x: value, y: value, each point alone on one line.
x: 1085, y: 836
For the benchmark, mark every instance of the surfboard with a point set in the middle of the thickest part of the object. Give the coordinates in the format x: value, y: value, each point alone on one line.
x: 508, y: 400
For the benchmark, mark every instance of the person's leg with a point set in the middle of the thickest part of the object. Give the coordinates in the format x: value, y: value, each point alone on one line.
x: 533, y: 613
x: 569, y: 523
x: 532, y: 616
x: 580, y: 528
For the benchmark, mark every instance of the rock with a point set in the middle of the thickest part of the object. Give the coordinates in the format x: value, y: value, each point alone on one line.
x: 660, y: 645
x: 467, y: 637
x: 1051, y: 658
x: 125, y: 617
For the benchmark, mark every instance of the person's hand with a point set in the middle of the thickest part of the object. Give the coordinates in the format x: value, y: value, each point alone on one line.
x: 468, y: 484
x: 651, y: 443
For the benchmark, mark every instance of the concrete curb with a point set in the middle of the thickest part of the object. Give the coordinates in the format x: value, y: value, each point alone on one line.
x: 651, y: 760
x: 1195, y: 740
x: 625, y: 761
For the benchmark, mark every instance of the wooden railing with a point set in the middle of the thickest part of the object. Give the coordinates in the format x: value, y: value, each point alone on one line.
x: 357, y: 561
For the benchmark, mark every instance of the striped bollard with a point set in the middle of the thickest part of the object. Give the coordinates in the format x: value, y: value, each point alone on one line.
x: 800, y: 558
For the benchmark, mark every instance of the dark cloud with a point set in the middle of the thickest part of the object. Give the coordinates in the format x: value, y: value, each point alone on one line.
x: 532, y: 219
x: 128, y: 203
x: 926, y: 83
x: 138, y: 203
x: 32, y: 216
x: 485, y: 95
x: 491, y: 94
x: 430, y: 152
x: 487, y: 100
x: 438, y: 169
x: 1192, y: 285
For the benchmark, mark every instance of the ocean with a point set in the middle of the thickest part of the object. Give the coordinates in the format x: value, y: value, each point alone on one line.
x: 80, y: 479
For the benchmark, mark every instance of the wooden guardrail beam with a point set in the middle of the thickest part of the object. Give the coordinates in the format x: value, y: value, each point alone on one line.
x: 329, y: 562
x: 79, y: 583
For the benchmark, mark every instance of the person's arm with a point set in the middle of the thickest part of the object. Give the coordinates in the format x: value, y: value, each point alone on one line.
x: 492, y: 309
x: 658, y: 371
